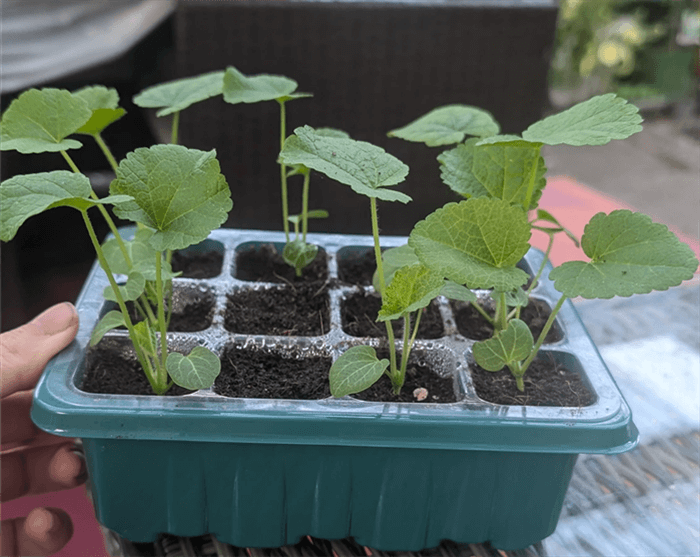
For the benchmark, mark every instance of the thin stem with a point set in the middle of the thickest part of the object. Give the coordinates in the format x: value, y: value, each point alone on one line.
x: 501, y: 312
x: 543, y: 334
x: 163, y: 377
x: 105, y: 150
x: 305, y: 205
x: 382, y: 280
x: 176, y: 125
x: 408, y: 342
x: 283, y: 170
x: 483, y: 313
x: 145, y: 362
x: 542, y: 266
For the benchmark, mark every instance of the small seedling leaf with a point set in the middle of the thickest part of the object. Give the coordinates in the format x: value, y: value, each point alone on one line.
x: 511, y: 345
x: 455, y: 291
x: 104, y: 103
x: 198, y: 370
x: 366, y: 168
x: 498, y: 139
x: 239, y: 88
x: 179, y: 192
x: 514, y: 298
x: 596, y: 121
x: 412, y: 288
x: 141, y: 254
x: 134, y: 287
x: 511, y: 171
x: 456, y: 170
x: 447, y: 125
x: 357, y: 369
x: 177, y: 95
x: 39, y: 121
x: 476, y: 242
x: 548, y: 217
x: 299, y: 254
x: 111, y: 320
x: 629, y: 254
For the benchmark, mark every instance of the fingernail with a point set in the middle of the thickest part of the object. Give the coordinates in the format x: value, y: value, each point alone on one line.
x: 56, y: 319
x: 40, y: 521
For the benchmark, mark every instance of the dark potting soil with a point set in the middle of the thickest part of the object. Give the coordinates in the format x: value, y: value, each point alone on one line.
x: 193, y: 310
x: 421, y: 385
x: 547, y: 383
x: 249, y: 373
x: 197, y: 265
x: 109, y: 371
x: 296, y: 309
x: 357, y: 267
x: 359, y: 311
x: 264, y: 263
x: 471, y: 324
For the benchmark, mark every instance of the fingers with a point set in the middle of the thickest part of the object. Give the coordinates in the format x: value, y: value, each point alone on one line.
x: 43, y: 532
x: 25, y: 351
x: 40, y: 470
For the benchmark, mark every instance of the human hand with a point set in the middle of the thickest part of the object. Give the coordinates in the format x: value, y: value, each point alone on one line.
x: 33, y: 461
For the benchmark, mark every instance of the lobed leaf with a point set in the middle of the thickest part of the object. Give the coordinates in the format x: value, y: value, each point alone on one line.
x: 27, y: 195
x: 629, y: 254
x: 179, y: 94
x: 476, y: 242
x: 104, y: 104
x: 412, y: 288
x: 455, y: 291
x: 448, y: 124
x: 198, y: 370
x: 366, y: 168
x: 39, y: 121
x: 111, y: 320
x: 239, y: 88
x: 134, y: 287
x: 357, y: 369
x: 596, y: 121
x: 507, y: 138
x: 392, y: 260
x: 141, y: 254
x: 511, y: 345
x: 456, y: 170
x: 179, y: 192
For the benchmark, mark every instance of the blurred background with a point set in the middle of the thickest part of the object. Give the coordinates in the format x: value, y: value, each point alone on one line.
x: 372, y: 67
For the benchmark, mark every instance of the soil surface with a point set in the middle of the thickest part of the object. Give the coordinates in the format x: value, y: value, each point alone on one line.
x: 109, y: 371
x: 546, y: 384
x: 359, y: 312
x: 197, y: 265
x: 248, y: 373
x: 193, y: 310
x: 297, y: 309
x: 264, y: 263
x: 357, y: 267
x: 471, y: 324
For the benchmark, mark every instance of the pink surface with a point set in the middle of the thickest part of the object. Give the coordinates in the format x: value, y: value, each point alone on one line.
x: 573, y: 205
x: 87, y: 540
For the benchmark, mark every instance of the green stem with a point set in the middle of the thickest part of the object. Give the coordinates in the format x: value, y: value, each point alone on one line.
x: 543, y: 334
x: 501, y: 312
x: 162, y: 374
x: 103, y: 211
x: 542, y: 266
x: 105, y: 150
x: 483, y: 313
x: 283, y: 170
x: 305, y: 205
x: 176, y: 125
x: 145, y: 362
x: 382, y: 280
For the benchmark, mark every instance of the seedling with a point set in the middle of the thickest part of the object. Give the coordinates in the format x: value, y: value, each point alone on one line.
x: 176, y: 195
x: 478, y: 242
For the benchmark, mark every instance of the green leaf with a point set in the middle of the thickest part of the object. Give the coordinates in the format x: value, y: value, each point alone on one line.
x: 498, y: 139
x: 27, y: 195
x: 111, y: 320
x: 357, y: 369
x: 198, y: 370
x: 179, y: 192
x: 39, y: 121
x: 411, y: 289
x: 239, y: 88
x: 448, y: 124
x: 104, y: 104
x: 179, y: 94
x: 134, y: 287
x: 366, y: 168
x: 299, y: 254
x: 145, y: 337
x: 514, y: 298
x: 392, y: 260
x: 511, y: 345
x: 596, y: 121
x: 456, y: 170
x: 511, y: 171
x: 314, y: 214
x: 629, y: 254
x: 476, y: 242
x: 332, y: 132
x: 548, y: 217
x: 455, y: 291
x: 141, y: 254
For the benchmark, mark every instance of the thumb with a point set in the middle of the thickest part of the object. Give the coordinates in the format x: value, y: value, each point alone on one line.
x: 25, y: 351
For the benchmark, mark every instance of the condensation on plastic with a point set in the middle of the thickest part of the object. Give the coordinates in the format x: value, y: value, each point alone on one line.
x: 44, y: 40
